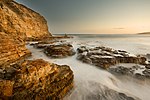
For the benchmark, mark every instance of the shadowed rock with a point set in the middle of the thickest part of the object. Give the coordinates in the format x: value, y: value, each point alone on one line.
x: 137, y: 71
x: 105, y: 57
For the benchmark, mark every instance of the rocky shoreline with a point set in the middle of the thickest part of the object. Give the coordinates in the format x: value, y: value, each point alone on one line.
x: 37, y: 79
x: 22, y: 79
x: 105, y: 57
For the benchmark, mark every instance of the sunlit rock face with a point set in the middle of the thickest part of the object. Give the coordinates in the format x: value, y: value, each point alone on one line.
x: 18, y: 19
x: 12, y: 49
x: 35, y: 80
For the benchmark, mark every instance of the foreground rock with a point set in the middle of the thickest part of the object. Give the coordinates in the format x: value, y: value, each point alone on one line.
x: 12, y: 49
x: 35, y: 80
x: 18, y: 19
x: 105, y: 57
x: 59, y: 51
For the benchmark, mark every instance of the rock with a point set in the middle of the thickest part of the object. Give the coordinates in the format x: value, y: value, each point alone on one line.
x: 40, y: 81
x: 59, y: 51
x: 12, y: 49
x: 139, y: 72
x: 82, y: 49
x: 148, y: 56
x: 146, y: 72
x: 16, y: 19
x: 120, y: 70
x: 147, y: 66
x: 98, y: 91
x: 9, y: 73
x: 1, y: 74
x: 105, y: 57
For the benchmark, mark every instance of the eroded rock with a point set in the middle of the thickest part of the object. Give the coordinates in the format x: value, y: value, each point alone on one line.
x: 19, y: 20
x: 59, y: 51
x: 137, y: 71
x: 12, y: 49
x: 36, y: 80
x: 105, y: 57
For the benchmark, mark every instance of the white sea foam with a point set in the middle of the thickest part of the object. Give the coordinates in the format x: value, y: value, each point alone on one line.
x: 84, y: 73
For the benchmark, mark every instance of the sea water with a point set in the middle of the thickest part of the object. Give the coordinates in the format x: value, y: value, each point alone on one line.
x: 85, y: 74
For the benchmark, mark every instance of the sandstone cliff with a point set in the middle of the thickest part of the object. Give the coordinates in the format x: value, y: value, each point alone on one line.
x: 12, y: 49
x: 16, y: 19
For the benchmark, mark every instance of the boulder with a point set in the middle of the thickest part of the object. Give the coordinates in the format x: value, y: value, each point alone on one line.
x: 16, y: 19
x: 59, y: 51
x: 36, y: 80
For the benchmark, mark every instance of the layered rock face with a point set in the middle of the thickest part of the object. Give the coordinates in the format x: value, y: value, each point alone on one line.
x: 105, y: 57
x: 35, y: 80
x: 16, y: 19
x: 12, y: 49
x: 59, y: 51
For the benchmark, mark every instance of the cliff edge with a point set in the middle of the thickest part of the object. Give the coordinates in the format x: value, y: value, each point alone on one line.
x: 16, y: 19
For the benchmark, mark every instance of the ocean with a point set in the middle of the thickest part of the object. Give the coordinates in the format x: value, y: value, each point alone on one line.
x: 85, y: 75
x: 134, y: 43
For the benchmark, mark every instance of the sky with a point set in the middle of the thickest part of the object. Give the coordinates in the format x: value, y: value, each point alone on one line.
x: 94, y: 16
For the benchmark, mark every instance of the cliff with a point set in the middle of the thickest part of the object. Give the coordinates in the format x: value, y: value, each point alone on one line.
x: 17, y: 19
x: 12, y: 49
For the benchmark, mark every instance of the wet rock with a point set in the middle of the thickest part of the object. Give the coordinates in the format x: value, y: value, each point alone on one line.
x: 139, y: 76
x: 105, y: 57
x: 120, y: 70
x: 146, y: 72
x: 82, y: 49
x: 97, y: 91
x: 137, y: 71
x: 148, y: 56
x: 40, y: 80
x: 147, y: 66
x: 59, y: 51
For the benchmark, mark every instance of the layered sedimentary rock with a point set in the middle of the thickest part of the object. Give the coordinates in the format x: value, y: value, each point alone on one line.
x: 56, y: 49
x: 105, y: 57
x: 12, y: 49
x: 59, y: 51
x: 35, y: 80
x: 16, y: 19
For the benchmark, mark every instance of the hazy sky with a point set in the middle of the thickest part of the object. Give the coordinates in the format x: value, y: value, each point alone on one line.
x: 94, y: 16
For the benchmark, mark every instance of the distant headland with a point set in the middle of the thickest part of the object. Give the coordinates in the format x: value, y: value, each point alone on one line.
x: 144, y: 33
